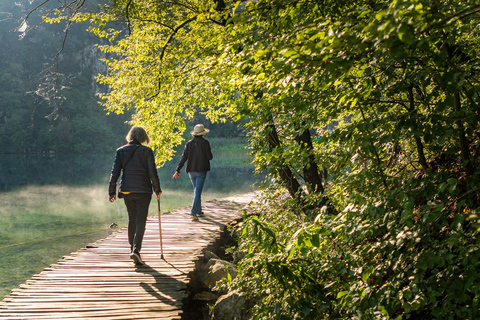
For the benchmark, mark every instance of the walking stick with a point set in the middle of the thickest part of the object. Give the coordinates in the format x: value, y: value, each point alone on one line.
x: 160, y: 228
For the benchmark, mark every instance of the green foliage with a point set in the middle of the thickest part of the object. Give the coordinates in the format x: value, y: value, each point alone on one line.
x: 362, y: 263
x: 365, y: 116
x: 45, y: 106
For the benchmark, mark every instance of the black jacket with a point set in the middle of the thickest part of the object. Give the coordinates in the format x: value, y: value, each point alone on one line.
x: 197, y: 154
x: 139, y: 173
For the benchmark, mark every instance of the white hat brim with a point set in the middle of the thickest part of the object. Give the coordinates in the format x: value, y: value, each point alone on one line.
x: 202, y: 133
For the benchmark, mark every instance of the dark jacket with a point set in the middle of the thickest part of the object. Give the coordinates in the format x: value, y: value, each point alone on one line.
x: 197, y: 154
x: 139, y: 173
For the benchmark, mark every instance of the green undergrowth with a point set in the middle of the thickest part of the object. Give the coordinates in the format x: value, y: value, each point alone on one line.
x: 409, y: 253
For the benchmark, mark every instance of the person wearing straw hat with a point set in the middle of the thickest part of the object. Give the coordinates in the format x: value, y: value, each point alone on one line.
x: 135, y: 163
x: 197, y: 154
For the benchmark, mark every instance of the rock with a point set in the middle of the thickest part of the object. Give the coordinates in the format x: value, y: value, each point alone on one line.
x: 238, y: 255
x: 215, y: 270
x: 229, y: 307
x: 210, y: 255
x: 206, y: 296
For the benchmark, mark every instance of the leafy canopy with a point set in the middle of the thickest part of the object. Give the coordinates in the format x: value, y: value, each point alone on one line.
x: 365, y: 115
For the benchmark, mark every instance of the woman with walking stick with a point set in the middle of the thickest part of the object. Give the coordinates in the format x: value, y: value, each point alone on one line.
x: 136, y: 163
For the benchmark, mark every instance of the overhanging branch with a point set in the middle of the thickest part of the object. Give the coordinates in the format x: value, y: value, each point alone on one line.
x: 127, y: 16
x: 175, y: 31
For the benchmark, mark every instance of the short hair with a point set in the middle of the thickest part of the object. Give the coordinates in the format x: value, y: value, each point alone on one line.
x: 139, y: 134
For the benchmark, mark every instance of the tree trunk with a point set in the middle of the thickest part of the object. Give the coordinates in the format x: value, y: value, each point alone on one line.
x: 418, y: 141
x: 464, y: 148
x: 310, y: 170
x: 286, y: 175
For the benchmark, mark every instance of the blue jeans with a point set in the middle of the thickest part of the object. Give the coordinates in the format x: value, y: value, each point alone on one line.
x: 198, y: 179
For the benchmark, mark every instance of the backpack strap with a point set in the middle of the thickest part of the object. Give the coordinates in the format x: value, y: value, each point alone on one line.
x: 130, y: 157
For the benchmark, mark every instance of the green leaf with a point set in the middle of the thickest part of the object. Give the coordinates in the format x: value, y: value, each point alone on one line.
x: 408, y: 294
x: 457, y: 222
x: 320, y: 35
x: 384, y: 311
x: 315, y: 240
x: 406, y: 214
x: 452, y: 181
x: 288, y: 53
x: 367, y: 273
x: 406, y: 33
x: 380, y: 15
x: 291, y: 251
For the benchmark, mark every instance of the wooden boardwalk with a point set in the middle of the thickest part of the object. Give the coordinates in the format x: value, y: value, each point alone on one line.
x: 101, y: 280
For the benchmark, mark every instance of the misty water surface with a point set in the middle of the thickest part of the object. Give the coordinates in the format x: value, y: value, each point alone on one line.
x: 51, y: 206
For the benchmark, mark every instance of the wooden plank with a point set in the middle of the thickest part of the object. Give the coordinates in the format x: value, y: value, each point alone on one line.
x: 75, y: 306
x: 82, y: 316
x: 100, y: 281
x: 112, y: 296
x: 97, y: 293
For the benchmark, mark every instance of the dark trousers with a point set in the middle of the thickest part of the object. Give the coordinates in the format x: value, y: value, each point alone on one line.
x: 137, y: 206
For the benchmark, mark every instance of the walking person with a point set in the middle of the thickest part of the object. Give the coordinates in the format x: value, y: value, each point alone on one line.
x: 136, y: 162
x: 197, y: 154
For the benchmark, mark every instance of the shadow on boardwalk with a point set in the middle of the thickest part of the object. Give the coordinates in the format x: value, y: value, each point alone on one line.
x: 162, y: 287
x: 101, y: 281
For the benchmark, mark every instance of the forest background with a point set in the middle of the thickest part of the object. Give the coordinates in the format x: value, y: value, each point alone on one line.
x: 364, y: 114
x: 42, y: 115
x: 58, y: 119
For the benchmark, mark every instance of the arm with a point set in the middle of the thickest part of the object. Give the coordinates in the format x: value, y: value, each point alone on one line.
x: 209, y: 151
x: 152, y: 172
x: 116, y: 170
x: 182, y: 162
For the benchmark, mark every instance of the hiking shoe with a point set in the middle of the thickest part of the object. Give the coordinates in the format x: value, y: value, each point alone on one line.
x: 201, y: 214
x: 194, y: 218
x: 136, y: 258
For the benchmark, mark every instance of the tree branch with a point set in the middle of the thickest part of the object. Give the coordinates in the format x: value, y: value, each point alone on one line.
x: 127, y: 16
x: 310, y: 169
x: 162, y: 53
x: 170, y: 38
x: 377, y: 156
x: 464, y: 145
x: 466, y: 12
x: 418, y: 141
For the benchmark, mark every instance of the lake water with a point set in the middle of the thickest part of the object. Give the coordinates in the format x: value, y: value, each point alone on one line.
x: 51, y: 206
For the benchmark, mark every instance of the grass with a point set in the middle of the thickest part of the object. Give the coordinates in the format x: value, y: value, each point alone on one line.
x: 230, y: 152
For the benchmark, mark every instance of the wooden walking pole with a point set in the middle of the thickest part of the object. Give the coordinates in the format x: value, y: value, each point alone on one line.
x: 160, y: 228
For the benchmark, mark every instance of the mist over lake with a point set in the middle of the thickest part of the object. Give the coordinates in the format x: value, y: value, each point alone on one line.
x: 53, y: 205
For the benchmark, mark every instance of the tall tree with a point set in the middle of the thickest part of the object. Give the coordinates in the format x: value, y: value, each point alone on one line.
x: 382, y: 94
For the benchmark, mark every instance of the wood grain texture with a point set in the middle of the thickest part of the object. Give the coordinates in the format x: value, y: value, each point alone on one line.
x: 101, y: 282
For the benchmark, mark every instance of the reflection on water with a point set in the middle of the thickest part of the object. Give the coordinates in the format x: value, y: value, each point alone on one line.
x: 17, y: 171
x: 51, y: 206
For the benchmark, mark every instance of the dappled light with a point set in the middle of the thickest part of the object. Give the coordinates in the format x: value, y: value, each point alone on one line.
x: 362, y: 117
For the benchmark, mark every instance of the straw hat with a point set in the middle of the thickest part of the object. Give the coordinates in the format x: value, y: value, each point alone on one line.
x: 199, y: 130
